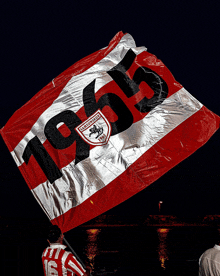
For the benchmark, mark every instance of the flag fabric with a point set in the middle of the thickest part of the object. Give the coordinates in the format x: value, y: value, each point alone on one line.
x: 103, y: 130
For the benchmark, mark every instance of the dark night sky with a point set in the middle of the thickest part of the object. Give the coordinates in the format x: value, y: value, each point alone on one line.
x: 40, y: 39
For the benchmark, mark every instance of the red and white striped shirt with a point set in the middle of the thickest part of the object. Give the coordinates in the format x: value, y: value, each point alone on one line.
x: 57, y: 261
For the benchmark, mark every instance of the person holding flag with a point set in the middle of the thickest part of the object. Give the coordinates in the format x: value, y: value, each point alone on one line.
x: 57, y: 261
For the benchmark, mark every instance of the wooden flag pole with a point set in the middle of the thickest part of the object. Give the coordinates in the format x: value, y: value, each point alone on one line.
x: 74, y: 253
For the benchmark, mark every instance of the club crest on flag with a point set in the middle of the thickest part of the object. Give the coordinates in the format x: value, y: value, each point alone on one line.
x: 96, y: 130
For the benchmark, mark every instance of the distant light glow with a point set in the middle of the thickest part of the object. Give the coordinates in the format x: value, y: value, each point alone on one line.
x: 162, y: 248
x: 162, y: 260
x: 93, y: 231
x: 163, y: 230
x: 91, y: 250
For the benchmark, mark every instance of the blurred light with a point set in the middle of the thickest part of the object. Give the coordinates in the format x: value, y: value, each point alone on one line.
x: 93, y: 231
x: 163, y: 230
x: 92, y: 249
x: 162, y: 248
x: 162, y: 260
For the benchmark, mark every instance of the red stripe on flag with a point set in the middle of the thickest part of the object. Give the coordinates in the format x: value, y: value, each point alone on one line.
x: 168, y: 152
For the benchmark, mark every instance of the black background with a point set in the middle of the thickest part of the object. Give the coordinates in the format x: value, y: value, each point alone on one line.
x: 40, y: 39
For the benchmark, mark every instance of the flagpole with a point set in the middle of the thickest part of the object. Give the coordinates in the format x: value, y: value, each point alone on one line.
x: 74, y: 253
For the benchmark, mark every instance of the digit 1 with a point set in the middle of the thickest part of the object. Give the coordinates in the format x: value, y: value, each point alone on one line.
x: 45, y: 161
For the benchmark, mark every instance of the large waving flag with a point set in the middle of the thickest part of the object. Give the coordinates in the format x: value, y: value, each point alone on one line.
x: 103, y: 130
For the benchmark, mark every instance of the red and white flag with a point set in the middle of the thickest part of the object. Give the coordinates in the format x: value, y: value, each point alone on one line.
x: 103, y: 130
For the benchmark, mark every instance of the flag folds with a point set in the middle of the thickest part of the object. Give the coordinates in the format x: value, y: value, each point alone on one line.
x: 103, y: 130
